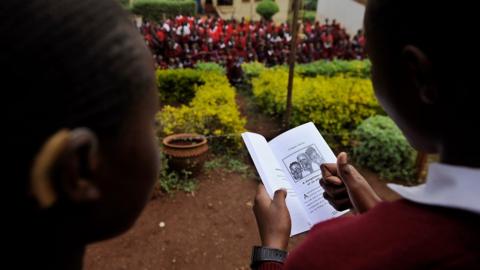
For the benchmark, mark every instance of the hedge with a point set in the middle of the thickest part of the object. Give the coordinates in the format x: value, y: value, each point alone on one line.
x: 211, y: 112
x: 336, y: 104
x: 157, y: 10
x: 354, y: 68
x: 381, y: 147
x: 267, y: 8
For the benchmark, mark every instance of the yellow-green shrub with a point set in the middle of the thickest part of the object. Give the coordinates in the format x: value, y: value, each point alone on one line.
x: 177, y: 85
x: 252, y: 69
x: 212, y: 111
x: 335, y: 104
x: 350, y: 68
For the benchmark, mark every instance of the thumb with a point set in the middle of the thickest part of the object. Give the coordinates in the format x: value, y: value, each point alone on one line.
x: 347, y: 172
x: 280, y: 196
x: 342, y: 161
x: 361, y: 194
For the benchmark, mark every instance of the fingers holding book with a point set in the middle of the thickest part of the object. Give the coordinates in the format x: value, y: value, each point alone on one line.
x: 273, y: 218
x: 346, y: 188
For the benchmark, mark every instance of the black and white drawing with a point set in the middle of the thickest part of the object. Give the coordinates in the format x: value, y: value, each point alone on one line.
x: 314, y: 156
x: 296, y: 170
x: 303, y: 162
x: 306, y: 163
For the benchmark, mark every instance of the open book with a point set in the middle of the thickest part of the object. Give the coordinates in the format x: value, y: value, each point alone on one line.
x: 292, y: 161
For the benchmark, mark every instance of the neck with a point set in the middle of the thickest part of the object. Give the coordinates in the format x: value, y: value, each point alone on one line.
x: 461, y: 155
x: 69, y: 258
x: 57, y: 256
x: 51, y: 247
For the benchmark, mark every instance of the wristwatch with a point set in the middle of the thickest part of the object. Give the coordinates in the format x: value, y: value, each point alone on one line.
x: 264, y: 254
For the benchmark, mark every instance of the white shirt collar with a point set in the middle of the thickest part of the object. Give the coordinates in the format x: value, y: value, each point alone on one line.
x: 447, y: 186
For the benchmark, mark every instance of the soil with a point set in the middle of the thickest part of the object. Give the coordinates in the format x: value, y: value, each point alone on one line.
x: 267, y: 126
x: 211, y: 228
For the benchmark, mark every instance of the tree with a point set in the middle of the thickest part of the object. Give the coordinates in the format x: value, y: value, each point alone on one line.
x: 310, y: 5
x: 267, y: 8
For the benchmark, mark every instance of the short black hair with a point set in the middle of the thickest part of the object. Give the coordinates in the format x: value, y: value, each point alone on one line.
x: 67, y: 64
x: 445, y: 32
x: 294, y: 163
x: 442, y: 30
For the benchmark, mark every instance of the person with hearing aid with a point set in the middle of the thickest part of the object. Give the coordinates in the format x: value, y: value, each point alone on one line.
x: 81, y: 98
x: 426, y: 86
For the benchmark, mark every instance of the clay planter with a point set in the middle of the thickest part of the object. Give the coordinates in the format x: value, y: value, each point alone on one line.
x: 185, y: 152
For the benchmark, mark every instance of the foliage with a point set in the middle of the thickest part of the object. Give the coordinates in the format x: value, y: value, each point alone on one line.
x: 177, y: 85
x: 157, y: 10
x: 252, y: 69
x: 170, y: 181
x: 310, y: 5
x: 355, y: 68
x: 229, y: 164
x: 309, y: 15
x: 267, y: 8
x: 381, y: 147
x: 212, y: 112
x: 209, y: 66
x: 335, y: 104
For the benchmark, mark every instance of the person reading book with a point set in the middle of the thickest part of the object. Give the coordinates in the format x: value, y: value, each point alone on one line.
x: 283, y: 163
x: 432, y: 96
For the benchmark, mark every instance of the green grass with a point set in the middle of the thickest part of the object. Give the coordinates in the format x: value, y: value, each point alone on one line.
x: 171, y: 181
x: 174, y: 181
x: 228, y: 164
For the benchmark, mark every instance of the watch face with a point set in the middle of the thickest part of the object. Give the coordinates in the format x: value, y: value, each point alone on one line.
x: 264, y: 254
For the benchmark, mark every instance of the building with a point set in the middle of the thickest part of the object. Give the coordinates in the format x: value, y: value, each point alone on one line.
x: 237, y: 9
x: 347, y: 12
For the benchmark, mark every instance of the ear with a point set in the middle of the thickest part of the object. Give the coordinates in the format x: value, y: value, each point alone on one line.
x: 64, y: 167
x: 420, y: 72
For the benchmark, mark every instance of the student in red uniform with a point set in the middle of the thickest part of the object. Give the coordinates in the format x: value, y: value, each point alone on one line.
x: 327, y: 41
x: 435, y: 104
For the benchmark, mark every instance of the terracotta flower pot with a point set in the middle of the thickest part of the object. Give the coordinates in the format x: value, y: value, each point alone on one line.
x: 185, y: 152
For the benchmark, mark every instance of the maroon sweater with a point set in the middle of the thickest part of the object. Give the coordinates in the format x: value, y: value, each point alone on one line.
x: 393, y: 235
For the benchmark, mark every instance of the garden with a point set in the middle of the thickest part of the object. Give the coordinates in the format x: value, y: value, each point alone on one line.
x: 187, y: 207
x: 200, y: 215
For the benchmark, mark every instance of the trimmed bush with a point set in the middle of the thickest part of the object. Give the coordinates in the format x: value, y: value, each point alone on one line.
x: 309, y: 15
x: 267, y: 8
x: 252, y: 69
x: 157, y: 10
x: 355, y: 68
x: 210, y: 67
x: 212, y: 111
x: 380, y: 146
x: 335, y: 104
x: 177, y: 85
x: 310, y: 5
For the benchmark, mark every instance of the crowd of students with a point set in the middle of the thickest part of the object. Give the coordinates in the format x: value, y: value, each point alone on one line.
x: 184, y: 41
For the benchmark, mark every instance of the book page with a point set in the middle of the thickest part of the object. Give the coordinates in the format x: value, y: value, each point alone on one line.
x: 300, y: 152
x: 274, y: 178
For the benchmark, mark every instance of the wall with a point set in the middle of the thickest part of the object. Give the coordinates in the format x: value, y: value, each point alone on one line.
x: 347, y: 12
x: 243, y: 8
